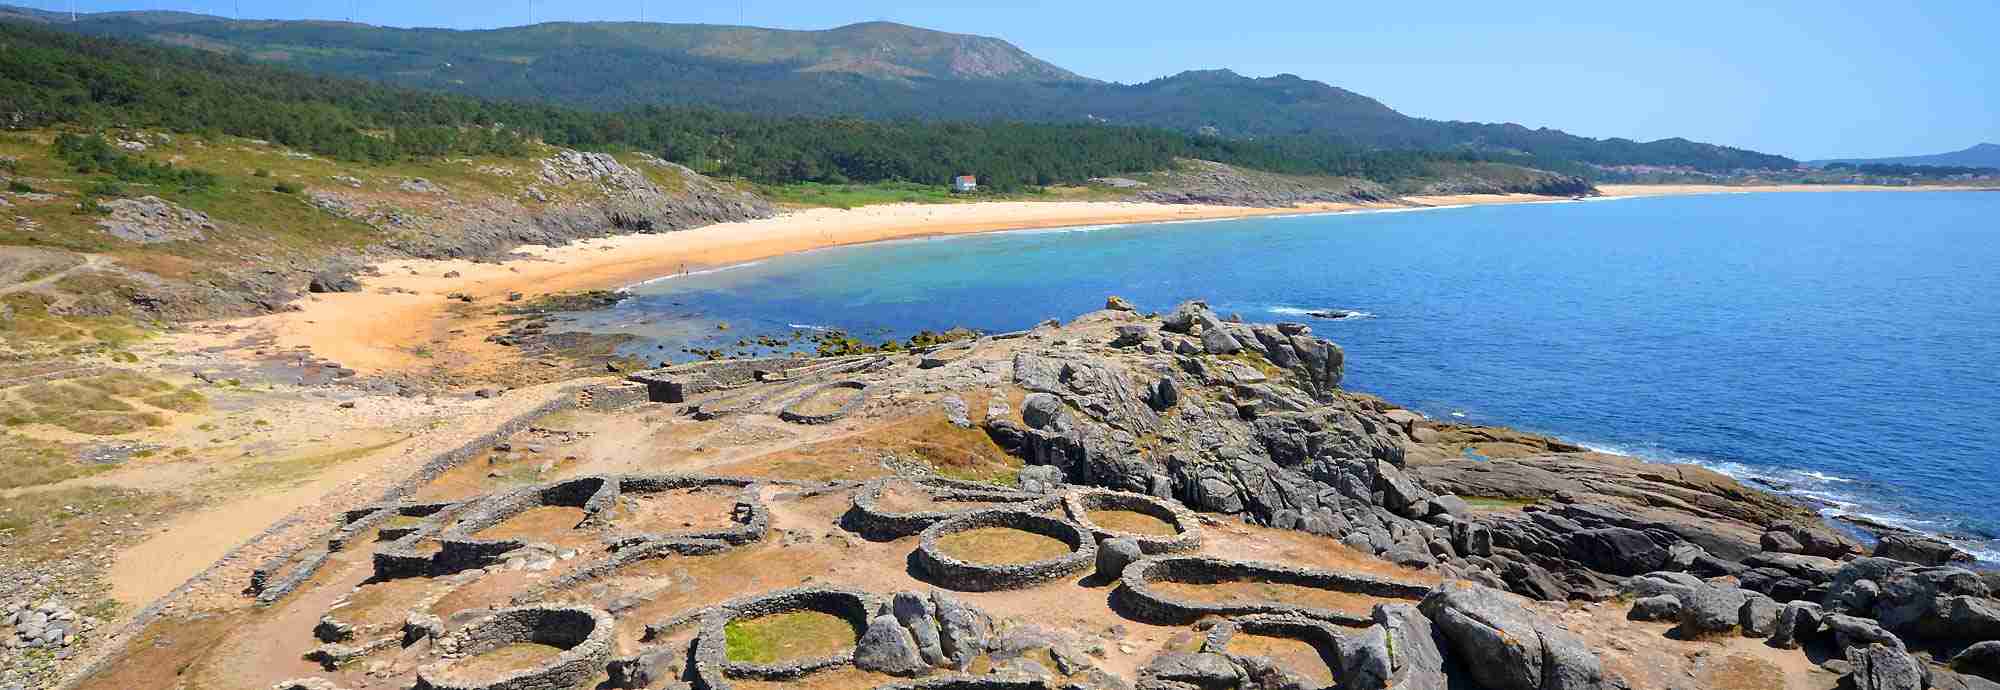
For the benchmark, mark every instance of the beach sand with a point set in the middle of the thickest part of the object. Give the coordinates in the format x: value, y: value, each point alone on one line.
x: 402, y: 315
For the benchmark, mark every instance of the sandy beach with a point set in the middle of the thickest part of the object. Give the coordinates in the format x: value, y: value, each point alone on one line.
x: 401, y: 315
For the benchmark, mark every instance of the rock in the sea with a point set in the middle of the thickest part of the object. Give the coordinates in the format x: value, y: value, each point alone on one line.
x: 887, y: 647
x: 1882, y: 667
x: 1920, y: 550
x: 1505, y: 647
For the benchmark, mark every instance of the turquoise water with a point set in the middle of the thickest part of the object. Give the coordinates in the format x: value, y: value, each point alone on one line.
x: 1844, y: 347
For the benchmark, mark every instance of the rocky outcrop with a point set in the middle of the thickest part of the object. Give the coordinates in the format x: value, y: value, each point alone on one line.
x: 1504, y: 647
x: 152, y: 220
x: 1204, y: 182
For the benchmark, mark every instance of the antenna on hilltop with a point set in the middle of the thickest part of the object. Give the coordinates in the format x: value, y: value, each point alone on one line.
x: 531, y: 12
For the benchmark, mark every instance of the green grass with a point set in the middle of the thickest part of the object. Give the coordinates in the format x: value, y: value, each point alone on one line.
x: 853, y: 195
x: 783, y: 636
x: 32, y: 462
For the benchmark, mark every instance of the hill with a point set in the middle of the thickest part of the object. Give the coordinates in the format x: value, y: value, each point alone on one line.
x: 876, y: 70
x: 1977, y: 156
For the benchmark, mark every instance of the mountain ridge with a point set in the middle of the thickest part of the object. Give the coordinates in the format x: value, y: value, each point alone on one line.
x: 872, y: 70
x: 1981, y: 155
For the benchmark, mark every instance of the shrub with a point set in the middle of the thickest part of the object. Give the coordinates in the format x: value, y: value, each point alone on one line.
x: 105, y: 188
x: 89, y: 207
x: 286, y: 188
x: 19, y: 187
x: 262, y: 173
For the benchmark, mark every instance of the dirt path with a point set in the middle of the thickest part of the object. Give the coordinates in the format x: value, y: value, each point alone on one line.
x: 90, y: 261
x: 191, y: 542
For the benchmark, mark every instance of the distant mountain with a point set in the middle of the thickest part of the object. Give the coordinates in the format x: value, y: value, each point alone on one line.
x: 1979, y: 156
x: 875, y: 70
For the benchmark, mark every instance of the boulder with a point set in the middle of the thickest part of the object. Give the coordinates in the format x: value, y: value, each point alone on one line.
x: 1808, y: 540
x: 1217, y: 341
x: 1041, y: 479
x: 962, y: 630
x: 1664, y: 607
x: 1505, y: 647
x: 1982, y: 659
x: 329, y: 281
x: 1040, y: 410
x: 1852, y: 631
x: 1182, y: 318
x: 1206, y: 670
x: 1617, y: 550
x: 888, y: 648
x: 1116, y: 303
x: 1399, y: 652
x: 1709, y: 610
x: 1130, y: 335
x: 916, y: 613
x: 1882, y: 667
x: 1797, y: 622
x: 1759, y: 615
x: 1114, y: 554
x: 1920, y: 550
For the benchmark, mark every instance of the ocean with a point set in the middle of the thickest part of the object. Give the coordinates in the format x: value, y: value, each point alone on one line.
x: 1842, y: 347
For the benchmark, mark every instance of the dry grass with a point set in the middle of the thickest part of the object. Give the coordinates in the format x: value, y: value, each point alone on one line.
x: 676, y: 511
x: 1293, y: 655
x: 518, y: 656
x: 826, y: 400
x: 907, y: 497
x: 551, y: 524
x: 1131, y: 522
x: 785, y: 636
x: 1001, y: 545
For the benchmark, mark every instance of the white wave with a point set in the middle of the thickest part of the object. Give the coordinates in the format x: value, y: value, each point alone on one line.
x: 703, y: 272
x: 808, y: 327
x: 1822, y: 476
x: 1350, y: 314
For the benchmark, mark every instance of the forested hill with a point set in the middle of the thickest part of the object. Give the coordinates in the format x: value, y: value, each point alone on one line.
x: 1977, y: 156
x: 56, y: 79
x: 876, y: 70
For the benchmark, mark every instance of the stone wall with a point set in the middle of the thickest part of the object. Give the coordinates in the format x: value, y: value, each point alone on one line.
x: 948, y: 572
x: 1187, y: 529
x: 584, y: 634
x: 870, y: 520
x: 1136, y: 594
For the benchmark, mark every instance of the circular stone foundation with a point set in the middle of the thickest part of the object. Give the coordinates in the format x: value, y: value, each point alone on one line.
x: 815, y: 408
x: 581, y: 636
x: 1186, y: 530
x: 712, y: 667
x: 873, y: 519
x: 1170, y: 590
x: 948, y: 571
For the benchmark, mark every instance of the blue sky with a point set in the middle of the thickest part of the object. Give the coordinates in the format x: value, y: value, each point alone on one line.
x: 1805, y: 79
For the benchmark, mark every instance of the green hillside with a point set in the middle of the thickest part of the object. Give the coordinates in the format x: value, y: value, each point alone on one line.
x: 876, y: 70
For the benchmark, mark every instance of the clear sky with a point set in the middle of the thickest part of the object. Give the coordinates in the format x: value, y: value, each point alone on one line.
x: 1809, y: 79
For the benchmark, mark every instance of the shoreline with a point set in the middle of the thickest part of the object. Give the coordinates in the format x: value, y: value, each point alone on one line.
x: 401, y: 313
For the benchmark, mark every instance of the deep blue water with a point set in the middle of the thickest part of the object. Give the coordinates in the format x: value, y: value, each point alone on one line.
x: 1845, y: 346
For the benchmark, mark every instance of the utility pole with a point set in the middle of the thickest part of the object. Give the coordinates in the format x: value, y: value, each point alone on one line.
x: 531, y: 12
